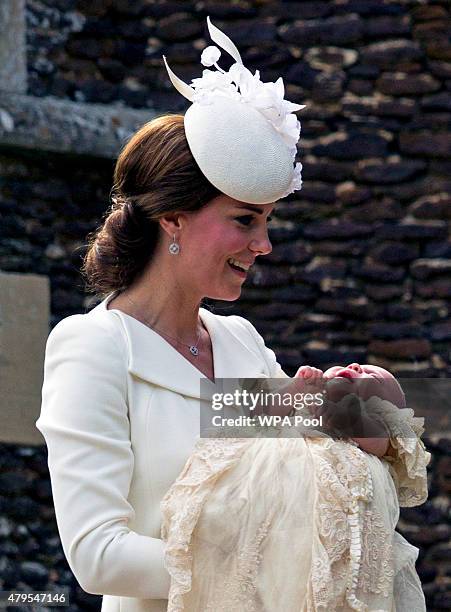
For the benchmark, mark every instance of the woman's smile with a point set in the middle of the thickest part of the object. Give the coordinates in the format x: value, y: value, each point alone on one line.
x: 238, y: 267
x: 241, y: 273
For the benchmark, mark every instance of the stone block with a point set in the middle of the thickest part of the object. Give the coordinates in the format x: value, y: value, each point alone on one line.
x: 388, y: 171
x: 434, y: 288
x: 439, y: 50
x: 328, y: 86
x: 402, y: 84
x: 267, y: 276
x: 437, y: 102
x: 386, y: 26
x: 424, y: 268
x: 318, y: 192
x: 62, y: 126
x: 337, y: 229
x: 330, y: 58
x: 401, y: 349
x: 294, y: 253
x: 347, y: 146
x: 396, y: 331
x: 368, y: 8
x: 442, y: 70
x: 427, y: 230
x: 380, y: 273
x: 389, y: 53
x: 438, y: 249
x: 330, y: 31
x: 434, y: 206
x: 13, y: 67
x: 441, y: 331
x: 426, y: 143
x: 394, y: 253
x: 376, y: 210
x: 382, y: 106
x: 24, y: 327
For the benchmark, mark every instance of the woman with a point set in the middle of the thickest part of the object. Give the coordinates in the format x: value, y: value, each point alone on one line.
x: 121, y: 397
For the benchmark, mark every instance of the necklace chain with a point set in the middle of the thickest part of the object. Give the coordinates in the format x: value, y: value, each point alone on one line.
x: 192, y: 347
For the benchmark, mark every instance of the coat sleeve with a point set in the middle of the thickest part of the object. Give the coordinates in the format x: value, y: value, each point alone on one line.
x: 274, y: 368
x: 84, y: 421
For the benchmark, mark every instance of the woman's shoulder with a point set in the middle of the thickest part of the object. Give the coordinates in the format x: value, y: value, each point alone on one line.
x: 98, y: 329
x: 245, y: 332
x: 231, y: 322
x: 234, y: 325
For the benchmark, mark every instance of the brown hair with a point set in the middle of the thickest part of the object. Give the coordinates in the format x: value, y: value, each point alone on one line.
x: 155, y: 174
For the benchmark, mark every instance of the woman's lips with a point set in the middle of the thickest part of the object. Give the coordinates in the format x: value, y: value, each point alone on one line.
x: 240, y: 273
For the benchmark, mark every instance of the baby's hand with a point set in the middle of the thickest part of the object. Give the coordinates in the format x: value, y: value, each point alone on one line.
x: 310, y: 374
x: 312, y: 380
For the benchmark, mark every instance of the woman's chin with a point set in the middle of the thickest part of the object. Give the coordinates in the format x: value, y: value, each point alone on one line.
x: 230, y: 296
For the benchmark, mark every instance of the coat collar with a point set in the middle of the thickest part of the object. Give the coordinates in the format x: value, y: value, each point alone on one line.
x: 153, y: 359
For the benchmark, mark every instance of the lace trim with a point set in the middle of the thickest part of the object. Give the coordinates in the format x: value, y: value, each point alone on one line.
x: 238, y: 592
x: 408, y: 466
x: 344, y: 486
x: 352, y: 551
x: 182, y: 504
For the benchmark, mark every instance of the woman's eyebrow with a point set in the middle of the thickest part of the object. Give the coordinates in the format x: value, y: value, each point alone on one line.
x: 256, y: 209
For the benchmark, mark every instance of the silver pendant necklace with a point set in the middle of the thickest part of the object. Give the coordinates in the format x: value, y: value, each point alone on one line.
x: 192, y: 347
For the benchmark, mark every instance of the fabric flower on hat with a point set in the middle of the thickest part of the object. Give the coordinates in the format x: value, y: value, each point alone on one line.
x: 241, y: 101
x: 210, y: 56
x: 296, y: 181
x: 240, y: 83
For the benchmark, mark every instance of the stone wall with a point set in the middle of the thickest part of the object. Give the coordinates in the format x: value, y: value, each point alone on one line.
x: 361, y: 265
x: 368, y: 235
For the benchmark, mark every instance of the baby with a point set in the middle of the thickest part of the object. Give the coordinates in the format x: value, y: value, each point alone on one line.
x: 356, y: 381
x: 300, y: 523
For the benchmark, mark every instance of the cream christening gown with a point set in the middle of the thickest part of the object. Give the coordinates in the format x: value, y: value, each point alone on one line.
x: 296, y: 524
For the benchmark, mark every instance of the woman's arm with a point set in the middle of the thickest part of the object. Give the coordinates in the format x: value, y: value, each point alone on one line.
x: 268, y: 356
x: 84, y: 420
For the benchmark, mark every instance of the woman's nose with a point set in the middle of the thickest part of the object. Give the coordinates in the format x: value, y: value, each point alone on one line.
x: 261, y: 246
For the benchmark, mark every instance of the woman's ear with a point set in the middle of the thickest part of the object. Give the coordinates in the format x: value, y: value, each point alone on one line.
x: 171, y: 223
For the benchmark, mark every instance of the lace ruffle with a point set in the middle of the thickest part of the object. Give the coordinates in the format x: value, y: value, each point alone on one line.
x: 352, y: 549
x: 182, y: 505
x: 408, y: 466
x: 344, y: 490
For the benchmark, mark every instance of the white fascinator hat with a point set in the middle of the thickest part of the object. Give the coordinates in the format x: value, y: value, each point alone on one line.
x: 241, y: 131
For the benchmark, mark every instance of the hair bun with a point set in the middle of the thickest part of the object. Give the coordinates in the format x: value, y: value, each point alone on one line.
x: 155, y: 174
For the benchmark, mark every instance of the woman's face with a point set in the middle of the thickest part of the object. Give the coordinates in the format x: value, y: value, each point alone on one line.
x: 210, y: 237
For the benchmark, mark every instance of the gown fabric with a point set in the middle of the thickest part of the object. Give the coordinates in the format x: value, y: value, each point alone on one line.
x: 297, y: 523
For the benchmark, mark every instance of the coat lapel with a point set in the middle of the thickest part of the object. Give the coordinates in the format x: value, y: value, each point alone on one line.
x: 154, y: 360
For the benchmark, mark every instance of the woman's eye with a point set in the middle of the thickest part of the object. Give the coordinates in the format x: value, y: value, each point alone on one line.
x: 245, y: 220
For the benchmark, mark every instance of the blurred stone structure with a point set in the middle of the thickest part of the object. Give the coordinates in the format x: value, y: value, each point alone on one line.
x: 24, y: 322
x: 361, y: 264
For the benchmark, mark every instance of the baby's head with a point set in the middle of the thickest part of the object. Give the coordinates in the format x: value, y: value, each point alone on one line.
x: 365, y: 381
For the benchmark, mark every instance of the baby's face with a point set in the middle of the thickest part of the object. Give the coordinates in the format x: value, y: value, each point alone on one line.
x: 365, y: 381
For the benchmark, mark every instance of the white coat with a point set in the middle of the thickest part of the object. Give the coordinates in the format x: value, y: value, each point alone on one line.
x: 120, y: 416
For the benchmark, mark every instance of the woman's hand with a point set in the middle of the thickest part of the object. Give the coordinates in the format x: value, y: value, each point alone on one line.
x: 343, y: 416
x: 347, y: 418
